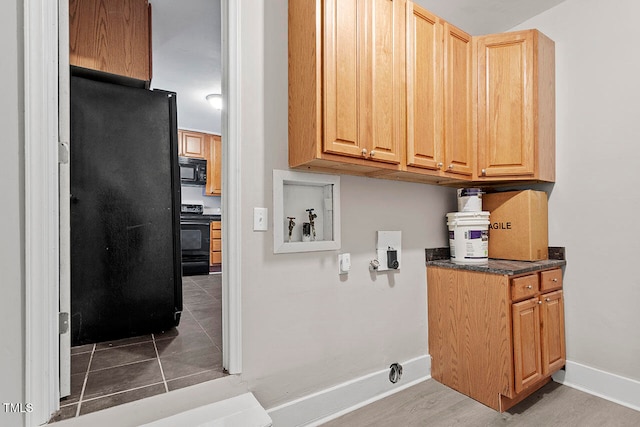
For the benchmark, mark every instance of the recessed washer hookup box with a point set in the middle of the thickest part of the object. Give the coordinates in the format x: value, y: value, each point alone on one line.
x: 518, y: 225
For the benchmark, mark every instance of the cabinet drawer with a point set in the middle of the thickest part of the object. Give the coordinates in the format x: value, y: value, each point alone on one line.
x: 524, y: 287
x: 216, y: 234
x: 216, y: 225
x: 216, y: 245
x: 551, y: 279
x: 215, y: 257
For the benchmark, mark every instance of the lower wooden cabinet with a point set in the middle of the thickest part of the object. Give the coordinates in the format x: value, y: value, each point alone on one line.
x: 496, y: 338
x: 215, y: 256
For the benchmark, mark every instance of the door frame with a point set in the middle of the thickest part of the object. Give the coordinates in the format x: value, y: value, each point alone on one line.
x: 43, y: 258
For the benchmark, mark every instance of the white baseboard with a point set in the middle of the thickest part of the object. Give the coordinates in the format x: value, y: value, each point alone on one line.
x: 617, y: 389
x: 325, y: 405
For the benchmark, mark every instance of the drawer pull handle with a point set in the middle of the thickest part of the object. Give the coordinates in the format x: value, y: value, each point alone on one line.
x: 529, y: 286
x: 555, y: 279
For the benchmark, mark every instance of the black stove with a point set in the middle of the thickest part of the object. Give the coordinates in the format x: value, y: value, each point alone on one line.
x: 195, y: 238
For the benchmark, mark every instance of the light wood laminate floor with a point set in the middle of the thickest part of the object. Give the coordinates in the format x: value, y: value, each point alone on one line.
x: 433, y: 404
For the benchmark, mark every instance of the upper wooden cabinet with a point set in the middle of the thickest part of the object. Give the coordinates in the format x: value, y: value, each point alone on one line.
x: 113, y: 36
x: 385, y: 88
x: 439, y: 55
x: 347, y: 84
x: 214, y: 166
x: 193, y: 144
x: 204, y: 146
x: 515, y: 106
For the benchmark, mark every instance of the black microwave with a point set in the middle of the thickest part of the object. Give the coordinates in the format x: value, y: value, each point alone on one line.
x: 192, y: 171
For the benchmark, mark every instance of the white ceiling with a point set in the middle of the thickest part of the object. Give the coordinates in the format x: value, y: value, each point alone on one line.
x: 187, y: 47
x: 187, y: 54
x: 487, y: 16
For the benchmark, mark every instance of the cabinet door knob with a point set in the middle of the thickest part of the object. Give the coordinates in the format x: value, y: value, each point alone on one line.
x: 547, y: 299
x: 555, y: 279
x: 450, y: 167
x: 373, y: 153
x: 484, y: 172
x: 364, y: 151
x: 539, y: 302
x: 529, y: 286
x: 440, y: 164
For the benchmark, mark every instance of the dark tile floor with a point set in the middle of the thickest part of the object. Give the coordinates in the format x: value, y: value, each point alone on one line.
x: 112, y: 373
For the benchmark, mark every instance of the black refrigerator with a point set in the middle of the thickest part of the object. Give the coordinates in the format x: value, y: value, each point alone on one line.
x: 125, y: 217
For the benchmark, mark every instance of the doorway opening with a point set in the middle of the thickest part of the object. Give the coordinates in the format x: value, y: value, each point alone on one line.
x: 186, y: 56
x: 41, y: 374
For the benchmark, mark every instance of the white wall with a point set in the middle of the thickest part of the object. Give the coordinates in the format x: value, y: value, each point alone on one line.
x: 12, y: 212
x: 596, y: 198
x: 189, y: 193
x: 304, y: 327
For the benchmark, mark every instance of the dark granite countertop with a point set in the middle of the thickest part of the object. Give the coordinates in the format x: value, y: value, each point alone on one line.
x: 439, y: 257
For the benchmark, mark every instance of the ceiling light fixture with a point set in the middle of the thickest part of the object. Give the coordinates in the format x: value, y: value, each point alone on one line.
x: 215, y: 99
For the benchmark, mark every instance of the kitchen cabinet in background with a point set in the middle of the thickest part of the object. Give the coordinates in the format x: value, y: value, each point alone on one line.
x: 494, y: 337
x: 204, y: 146
x: 193, y: 144
x: 214, y: 166
x: 113, y: 36
x: 347, y: 85
x: 516, y: 107
x: 215, y: 256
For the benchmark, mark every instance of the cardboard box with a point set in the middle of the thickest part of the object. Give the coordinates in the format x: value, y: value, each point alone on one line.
x: 519, y: 225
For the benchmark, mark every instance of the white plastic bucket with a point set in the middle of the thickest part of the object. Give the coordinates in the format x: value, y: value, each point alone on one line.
x: 469, y: 237
x: 469, y: 200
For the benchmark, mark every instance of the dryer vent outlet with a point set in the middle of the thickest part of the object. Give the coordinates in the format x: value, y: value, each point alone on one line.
x: 395, y: 372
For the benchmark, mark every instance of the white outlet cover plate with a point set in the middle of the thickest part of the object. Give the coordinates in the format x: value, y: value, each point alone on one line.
x: 344, y: 263
x: 385, y: 240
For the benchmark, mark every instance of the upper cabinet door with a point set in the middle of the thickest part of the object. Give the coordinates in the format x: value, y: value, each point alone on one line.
x: 112, y: 36
x: 439, y: 110
x: 424, y: 89
x: 506, y: 103
x: 364, y: 78
x: 458, y: 138
x: 385, y: 76
x: 344, y: 91
x: 193, y: 144
x: 214, y: 166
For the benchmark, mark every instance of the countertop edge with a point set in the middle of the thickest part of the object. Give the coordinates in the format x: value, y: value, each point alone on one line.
x: 439, y: 257
x: 539, y: 266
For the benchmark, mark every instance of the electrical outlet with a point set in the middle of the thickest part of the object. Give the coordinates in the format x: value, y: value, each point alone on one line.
x: 344, y: 263
x: 388, y: 250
